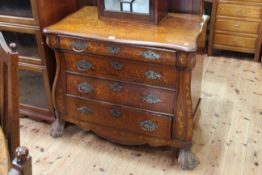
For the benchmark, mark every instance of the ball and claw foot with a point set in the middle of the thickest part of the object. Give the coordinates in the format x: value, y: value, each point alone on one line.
x: 187, y: 160
x: 57, y: 128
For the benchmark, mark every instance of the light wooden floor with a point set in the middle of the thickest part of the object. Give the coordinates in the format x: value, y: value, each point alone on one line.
x: 227, y: 139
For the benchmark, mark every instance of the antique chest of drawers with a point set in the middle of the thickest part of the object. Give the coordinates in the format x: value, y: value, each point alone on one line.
x: 128, y: 82
x: 236, y: 26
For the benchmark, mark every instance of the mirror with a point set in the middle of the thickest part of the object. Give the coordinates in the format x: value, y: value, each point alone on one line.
x: 128, y: 6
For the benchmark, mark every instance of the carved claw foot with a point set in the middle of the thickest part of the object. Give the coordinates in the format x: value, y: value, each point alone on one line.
x: 57, y: 128
x: 187, y: 160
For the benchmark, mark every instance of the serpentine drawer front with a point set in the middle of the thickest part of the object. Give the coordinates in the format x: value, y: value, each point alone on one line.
x: 138, y: 96
x: 127, y: 119
x: 122, y: 70
x: 110, y: 49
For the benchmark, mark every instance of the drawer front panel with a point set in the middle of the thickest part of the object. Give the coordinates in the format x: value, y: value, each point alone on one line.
x: 235, y: 41
x: 238, y: 10
x: 151, y: 55
x: 122, y: 70
x: 143, y: 97
x: 237, y: 26
x: 122, y: 118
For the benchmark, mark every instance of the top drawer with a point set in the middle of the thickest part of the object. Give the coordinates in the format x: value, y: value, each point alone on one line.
x: 145, y: 54
x: 234, y: 10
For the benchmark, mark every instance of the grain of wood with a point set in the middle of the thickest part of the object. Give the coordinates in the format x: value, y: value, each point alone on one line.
x: 227, y: 136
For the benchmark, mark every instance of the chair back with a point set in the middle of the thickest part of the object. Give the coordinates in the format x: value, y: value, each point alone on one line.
x: 9, y: 94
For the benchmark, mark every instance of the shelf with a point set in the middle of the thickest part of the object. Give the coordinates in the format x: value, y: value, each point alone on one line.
x: 28, y: 51
x: 32, y: 91
x: 26, y: 43
x: 18, y: 8
x: 36, y: 113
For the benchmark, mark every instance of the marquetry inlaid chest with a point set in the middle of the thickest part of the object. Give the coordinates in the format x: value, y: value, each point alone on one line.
x: 128, y: 82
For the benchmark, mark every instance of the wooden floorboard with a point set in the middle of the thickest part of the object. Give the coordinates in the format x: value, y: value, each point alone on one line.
x: 227, y: 134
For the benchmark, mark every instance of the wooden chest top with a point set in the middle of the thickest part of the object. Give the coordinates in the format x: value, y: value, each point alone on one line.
x: 175, y: 31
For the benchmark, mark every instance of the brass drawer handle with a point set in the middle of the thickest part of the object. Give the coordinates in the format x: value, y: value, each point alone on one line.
x: 152, y: 99
x: 153, y: 75
x: 151, y: 55
x: 85, y: 110
x: 85, y: 88
x: 116, y: 87
x: 83, y: 65
x: 115, y: 112
x: 117, y: 66
x: 79, y: 46
x: 113, y: 50
x: 148, y: 125
x: 236, y: 25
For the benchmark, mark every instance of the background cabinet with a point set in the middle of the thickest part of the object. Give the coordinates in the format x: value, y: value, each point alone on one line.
x: 236, y: 26
x: 22, y: 21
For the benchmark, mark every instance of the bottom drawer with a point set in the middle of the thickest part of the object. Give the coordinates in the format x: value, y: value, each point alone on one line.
x: 247, y: 44
x: 118, y: 117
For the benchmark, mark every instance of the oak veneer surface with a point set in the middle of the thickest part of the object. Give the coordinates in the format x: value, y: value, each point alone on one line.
x: 227, y: 137
x: 173, y: 32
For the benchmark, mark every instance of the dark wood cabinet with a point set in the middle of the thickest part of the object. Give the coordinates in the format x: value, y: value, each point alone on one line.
x: 22, y: 21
